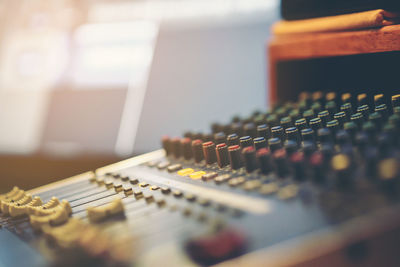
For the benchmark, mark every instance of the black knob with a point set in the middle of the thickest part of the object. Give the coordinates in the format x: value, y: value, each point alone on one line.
x: 346, y: 98
x: 333, y: 126
x: 282, y: 168
x: 358, y: 119
x: 237, y: 128
x: 250, y: 130
x: 265, y: 161
x: 324, y: 116
x: 308, y: 135
x: 278, y: 132
x: 235, y: 157
x: 295, y: 115
x: 250, y: 161
x: 209, y: 152
x: 246, y: 141
x: 301, y: 124
x: 351, y: 128
x: 220, y: 138
x: 341, y: 118
x: 293, y: 134
x: 376, y: 118
x: 341, y: 165
x: 364, y: 110
x: 260, y: 142
x: 396, y: 101
x: 197, y: 150
x: 222, y: 155
x: 331, y: 108
x: 186, y: 147
x: 263, y: 131
x: 272, y: 120
x: 308, y: 115
x: 298, y: 165
x: 382, y: 109
x: 232, y: 139
x: 316, y: 108
x: 379, y: 99
x: 274, y: 144
x: 286, y: 122
x: 291, y: 147
x: 325, y: 136
x: 315, y: 125
x: 362, y: 99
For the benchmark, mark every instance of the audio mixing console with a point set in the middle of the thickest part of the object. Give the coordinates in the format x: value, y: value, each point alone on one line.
x: 312, y: 183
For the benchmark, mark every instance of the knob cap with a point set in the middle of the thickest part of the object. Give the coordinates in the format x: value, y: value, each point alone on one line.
x: 250, y: 130
x: 263, y: 131
x: 220, y: 138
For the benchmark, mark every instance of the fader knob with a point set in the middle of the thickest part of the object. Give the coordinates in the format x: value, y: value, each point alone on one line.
x: 274, y: 144
x: 293, y: 134
x: 209, y: 152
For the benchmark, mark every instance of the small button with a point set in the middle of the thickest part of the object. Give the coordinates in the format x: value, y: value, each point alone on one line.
x: 154, y: 187
x: 236, y: 181
x: 133, y: 180
x: 209, y: 176
x: 204, y: 202
x: 222, y: 179
x: 185, y: 172
x: 288, y: 192
x: 251, y: 185
x: 124, y: 178
x: 138, y: 194
x: 190, y: 197
x: 161, y: 202
x: 163, y: 165
x: 109, y: 184
x: 143, y: 184
x: 197, y: 175
x: 127, y: 190
x: 177, y: 193
x: 149, y: 198
x: 118, y: 187
x: 270, y: 188
x: 187, y: 211
x: 152, y: 163
x: 165, y: 190
x: 174, y: 168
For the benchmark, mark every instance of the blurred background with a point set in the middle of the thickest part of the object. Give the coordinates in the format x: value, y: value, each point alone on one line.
x: 85, y: 83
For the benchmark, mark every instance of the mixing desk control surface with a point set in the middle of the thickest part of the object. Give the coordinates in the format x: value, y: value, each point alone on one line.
x: 317, y: 176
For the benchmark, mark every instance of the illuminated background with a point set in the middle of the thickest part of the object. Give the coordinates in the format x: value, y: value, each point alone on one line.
x: 86, y: 83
